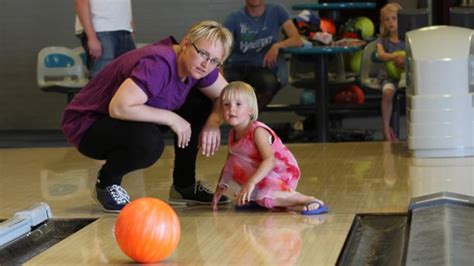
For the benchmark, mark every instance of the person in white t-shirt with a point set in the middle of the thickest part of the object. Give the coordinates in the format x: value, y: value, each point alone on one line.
x: 105, y: 28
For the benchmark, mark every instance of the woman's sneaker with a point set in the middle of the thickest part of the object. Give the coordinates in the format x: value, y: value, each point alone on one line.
x: 112, y: 198
x: 197, y: 194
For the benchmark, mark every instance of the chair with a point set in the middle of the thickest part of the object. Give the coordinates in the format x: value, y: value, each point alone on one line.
x: 83, y: 56
x: 61, y: 70
x: 369, y: 69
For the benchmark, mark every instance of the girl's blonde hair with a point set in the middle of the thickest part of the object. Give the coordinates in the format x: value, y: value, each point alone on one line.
x: 213, y: 31
x: 242, y: 90
x: 388, y: 8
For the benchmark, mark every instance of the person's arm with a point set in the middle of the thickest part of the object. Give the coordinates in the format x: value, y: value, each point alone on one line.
x: 216, y: 197
x: 262, y: 139
x: 83, y: 10
x: 134, y: 34
x: 220, y: 189
x: 382, y: 55
x: 293, y: 40
x: 128, y: 103
x: 210, y: 136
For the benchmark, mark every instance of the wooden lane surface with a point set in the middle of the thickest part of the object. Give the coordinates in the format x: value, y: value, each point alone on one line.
x: 255, y: 239
x: 369, y: 177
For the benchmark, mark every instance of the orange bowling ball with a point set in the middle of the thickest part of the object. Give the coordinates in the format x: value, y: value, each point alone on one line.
x: 147, y: 230
x: 327, y: 25
x: 352, y: 95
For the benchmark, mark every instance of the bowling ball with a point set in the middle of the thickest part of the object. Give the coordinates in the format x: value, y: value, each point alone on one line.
x: 349, y: 30
x: 356, y: 59
x: 392, y: 70
x: 307, y: 97
x: 327, y: 25
x: 366, y: 27
x: 349, y: 95
x: 147, y: 230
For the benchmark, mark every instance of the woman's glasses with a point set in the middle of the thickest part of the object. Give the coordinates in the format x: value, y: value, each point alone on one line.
x: 205, y: 55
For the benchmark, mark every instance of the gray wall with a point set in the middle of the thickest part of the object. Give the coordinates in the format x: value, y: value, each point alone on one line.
x: 26, y: 26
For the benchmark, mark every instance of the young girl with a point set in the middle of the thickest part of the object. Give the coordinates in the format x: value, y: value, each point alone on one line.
x: 264, y: 170
x: 387, y: 44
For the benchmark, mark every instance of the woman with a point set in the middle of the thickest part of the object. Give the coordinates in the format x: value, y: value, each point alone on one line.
x: 120, y: 115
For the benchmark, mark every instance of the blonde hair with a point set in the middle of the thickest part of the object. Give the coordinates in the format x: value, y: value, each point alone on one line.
x: 388, y: 8
x: 213, y: 31
x: 242, y: 90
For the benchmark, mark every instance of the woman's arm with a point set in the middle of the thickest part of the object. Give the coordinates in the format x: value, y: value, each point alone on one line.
x: 128, y: 103
x: 210, y: 137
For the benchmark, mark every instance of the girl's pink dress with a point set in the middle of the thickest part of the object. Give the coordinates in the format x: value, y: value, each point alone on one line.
x: 244, y: 159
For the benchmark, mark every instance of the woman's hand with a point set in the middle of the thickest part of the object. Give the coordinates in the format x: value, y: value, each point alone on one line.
x: 210, y: 139
x: 182, y: 129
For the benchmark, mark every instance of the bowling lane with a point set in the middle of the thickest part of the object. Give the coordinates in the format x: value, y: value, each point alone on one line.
x: 369, y: 177
x: 255, y: 239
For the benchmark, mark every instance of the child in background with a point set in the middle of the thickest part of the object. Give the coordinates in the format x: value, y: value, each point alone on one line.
x: 387, y: 43
x: 264, y: 170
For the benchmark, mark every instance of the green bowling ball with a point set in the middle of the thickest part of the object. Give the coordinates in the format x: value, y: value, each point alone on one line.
x: 392, y: 70
x: 366, y: 27
x: 356, y: 59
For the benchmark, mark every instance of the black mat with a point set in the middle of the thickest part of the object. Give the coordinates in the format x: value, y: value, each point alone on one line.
x: 376, y: 240
x: 39, y: 239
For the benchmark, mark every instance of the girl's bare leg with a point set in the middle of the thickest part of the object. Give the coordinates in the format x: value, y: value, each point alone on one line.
x: 388, y: 92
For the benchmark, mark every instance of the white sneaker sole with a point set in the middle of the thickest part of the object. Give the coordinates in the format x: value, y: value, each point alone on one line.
x: 94, y: 198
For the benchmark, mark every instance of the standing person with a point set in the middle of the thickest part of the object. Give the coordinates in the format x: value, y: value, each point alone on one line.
x: 120, y: 115
x: 105, y: 28
x: 258, y: 163
x: 387, y: 44
x: 255, y: 57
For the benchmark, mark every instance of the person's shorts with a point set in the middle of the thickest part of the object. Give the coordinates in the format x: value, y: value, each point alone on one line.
x: 388, y: 81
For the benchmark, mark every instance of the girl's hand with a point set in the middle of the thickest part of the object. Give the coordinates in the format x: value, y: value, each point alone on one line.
x: 217, y: 196
x: 245, y: 193
x: 399, y: 61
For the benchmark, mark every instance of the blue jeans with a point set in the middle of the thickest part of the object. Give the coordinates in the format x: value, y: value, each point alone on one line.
x: 114, y: 43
